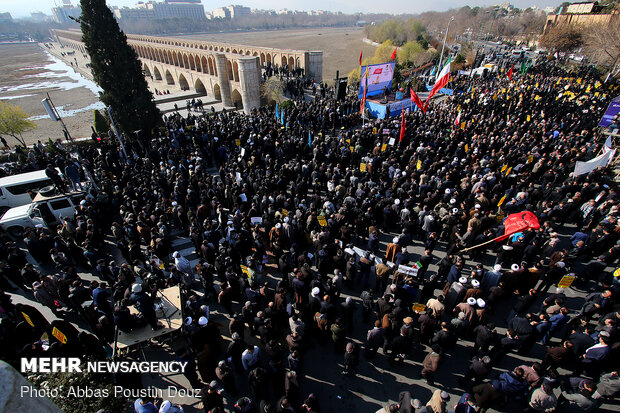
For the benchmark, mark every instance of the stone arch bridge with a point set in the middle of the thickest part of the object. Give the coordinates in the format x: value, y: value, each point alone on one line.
x: 227, y: 72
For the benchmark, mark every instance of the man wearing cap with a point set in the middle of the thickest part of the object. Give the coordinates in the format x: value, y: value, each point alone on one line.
x: 478, y: 369
x: 212, y: 397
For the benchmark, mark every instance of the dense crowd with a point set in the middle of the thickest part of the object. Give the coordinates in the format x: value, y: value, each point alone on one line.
x: 275, y: 206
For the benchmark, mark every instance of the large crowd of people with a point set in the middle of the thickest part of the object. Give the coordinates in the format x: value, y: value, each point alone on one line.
x: 305, y: 221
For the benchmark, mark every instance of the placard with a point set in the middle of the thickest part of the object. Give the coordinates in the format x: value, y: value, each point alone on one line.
x: 322, y: 221
x: 418, y: 307
x: 566, y: 281
x: 256, y: 220
x: 59, y: 335
x: 362, y: 167
x: 27, y: 318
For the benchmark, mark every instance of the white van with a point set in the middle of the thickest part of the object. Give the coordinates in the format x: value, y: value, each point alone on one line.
x: 14, y: 188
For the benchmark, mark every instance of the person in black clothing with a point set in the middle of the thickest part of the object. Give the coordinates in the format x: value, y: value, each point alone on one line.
x: 55, y: 177
x: 484, y: 338
x: 144, y: 304
x: 212, y: 397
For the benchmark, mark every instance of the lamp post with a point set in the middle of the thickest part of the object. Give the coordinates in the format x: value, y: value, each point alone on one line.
x: 445, y: 37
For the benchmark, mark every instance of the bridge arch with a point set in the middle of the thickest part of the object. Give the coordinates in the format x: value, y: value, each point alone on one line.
x: 291, y: 63
x: 284, y: 60
x: 156, y: 73
x: 236, y: 98
x: 262, y: 59
x: 169, y: 78
x: 212, y: 66
x: 205, y: 65
x: 200, y: 87
x: 230, y: 69
x: 183, y: 82
x: 236, y: 71
x: 217, y: 94
x: 268, y: 57
x: 146, y: 70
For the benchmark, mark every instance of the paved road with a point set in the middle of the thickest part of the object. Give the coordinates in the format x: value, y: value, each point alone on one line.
x: 376, y: 382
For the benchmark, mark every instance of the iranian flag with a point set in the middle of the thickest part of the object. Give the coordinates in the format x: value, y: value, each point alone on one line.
x: 442, y: 80
x: 457, y: 121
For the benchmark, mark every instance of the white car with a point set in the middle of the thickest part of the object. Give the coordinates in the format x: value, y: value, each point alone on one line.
x: 46, y: 210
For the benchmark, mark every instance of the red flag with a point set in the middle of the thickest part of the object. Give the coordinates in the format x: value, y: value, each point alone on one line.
x: 394, y: 54
x: 416, y: 99
x: 402, y: 127
x: 510, y: 72
x: 361, y: 58
x: 518, y: 222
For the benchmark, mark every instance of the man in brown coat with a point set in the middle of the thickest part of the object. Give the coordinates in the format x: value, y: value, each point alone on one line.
x: 431, y: 364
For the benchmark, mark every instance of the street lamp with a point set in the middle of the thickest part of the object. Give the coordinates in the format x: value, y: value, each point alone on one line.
x: 444, y: 42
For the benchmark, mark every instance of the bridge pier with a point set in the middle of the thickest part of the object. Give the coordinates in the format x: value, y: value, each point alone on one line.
x: 223, y: 78
x: 249, y: 79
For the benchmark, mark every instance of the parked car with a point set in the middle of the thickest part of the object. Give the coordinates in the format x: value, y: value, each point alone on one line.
x: 46, y: 210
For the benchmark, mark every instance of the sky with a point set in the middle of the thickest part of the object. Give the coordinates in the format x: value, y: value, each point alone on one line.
x: 23, y: 8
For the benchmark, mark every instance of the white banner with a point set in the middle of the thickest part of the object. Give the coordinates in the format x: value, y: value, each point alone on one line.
x: 603, y: 160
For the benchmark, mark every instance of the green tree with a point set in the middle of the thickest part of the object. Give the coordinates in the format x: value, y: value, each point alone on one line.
x: 409, y: 53
x: 117, y: 70
x: 14, y: 121
x: 383, y: 53
x: 101, y: 123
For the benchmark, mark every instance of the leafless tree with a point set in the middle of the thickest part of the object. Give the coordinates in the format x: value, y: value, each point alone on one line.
x: 602, y: 45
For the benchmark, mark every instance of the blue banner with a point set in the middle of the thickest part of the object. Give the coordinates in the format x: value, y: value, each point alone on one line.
x: 379, y: 77
x: 612, y: 110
